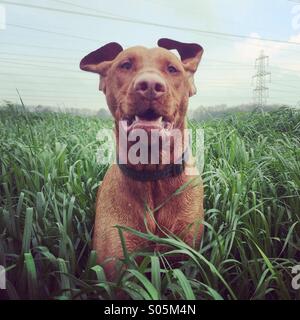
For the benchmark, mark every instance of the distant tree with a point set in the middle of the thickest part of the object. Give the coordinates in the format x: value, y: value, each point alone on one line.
x: 103, y: 114
x: 41, y: 108
x: 222, y: 110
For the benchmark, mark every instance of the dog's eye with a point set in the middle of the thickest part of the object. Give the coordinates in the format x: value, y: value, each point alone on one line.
x: 126, y: 65
x: 172, y: 69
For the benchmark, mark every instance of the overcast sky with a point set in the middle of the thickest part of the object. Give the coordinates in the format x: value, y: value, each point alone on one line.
x: 44, y: 65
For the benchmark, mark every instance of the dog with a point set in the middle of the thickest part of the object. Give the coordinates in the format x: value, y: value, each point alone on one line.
x: 146, y: 89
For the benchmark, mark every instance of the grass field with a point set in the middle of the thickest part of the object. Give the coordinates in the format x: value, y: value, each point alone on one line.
x: 48, y: 182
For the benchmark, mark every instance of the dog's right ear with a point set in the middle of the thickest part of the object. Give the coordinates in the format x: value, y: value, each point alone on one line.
x: 100, y: 60
x: 190, y: 54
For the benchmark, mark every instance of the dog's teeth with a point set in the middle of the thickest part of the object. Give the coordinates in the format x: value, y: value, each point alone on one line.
x: 136, y: 118
x: 160, y: 119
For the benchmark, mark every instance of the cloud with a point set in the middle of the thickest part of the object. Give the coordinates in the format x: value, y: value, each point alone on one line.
x: 249, y: 49
x: 282, y: 55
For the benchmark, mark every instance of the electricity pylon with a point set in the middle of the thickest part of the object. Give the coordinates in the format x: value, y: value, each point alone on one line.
x: 261, y: 91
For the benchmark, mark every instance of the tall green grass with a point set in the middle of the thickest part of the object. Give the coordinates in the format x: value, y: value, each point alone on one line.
x: 48, y: 182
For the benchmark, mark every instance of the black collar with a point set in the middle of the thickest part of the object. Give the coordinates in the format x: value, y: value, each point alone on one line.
x: 170, y: 170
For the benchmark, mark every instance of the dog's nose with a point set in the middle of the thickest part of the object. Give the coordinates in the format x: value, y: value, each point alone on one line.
x: 150, y: 86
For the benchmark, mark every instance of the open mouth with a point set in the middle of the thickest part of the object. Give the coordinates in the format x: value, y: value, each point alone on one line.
x: 147, y: 121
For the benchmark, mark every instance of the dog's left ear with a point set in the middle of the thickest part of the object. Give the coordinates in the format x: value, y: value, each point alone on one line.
x: 190, y: 54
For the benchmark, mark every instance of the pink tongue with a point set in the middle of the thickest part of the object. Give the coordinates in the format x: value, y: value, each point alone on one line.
x: 148, y: 124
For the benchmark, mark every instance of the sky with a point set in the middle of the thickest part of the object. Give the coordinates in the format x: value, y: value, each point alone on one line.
x: 40, y: 49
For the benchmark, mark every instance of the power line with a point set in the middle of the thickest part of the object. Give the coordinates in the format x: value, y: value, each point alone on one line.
x: 48, y: 97
x: 207, y: 81
x: 39, y: 66
x: 216, y: 80
x: 35, y: 56
x: 51, y: 32
x: 40, y: 47
x: 83, y: 98
x: 45, y: 62
x: 48, y: 84
x: 44, y: 76
x: 86, y: 8
x: 28, y: 92
x: 222, y: 62
x: 285, y: 85
x: 76, y: 61
x: 84, y: 51
x: 33, y: 64
x: 136, y: 21
x: 56, y: 57
x: 73, y: 91
x: 72, y: 87
x: 285, y: 69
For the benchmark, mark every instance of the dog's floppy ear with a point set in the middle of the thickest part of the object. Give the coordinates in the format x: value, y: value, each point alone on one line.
x: 100, y: 60
x: 190, y: 54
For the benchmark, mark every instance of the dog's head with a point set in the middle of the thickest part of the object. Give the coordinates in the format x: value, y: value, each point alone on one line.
x: 148, y: 88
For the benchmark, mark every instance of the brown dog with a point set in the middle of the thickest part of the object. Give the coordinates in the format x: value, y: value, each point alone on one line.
x: 146, y: 89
